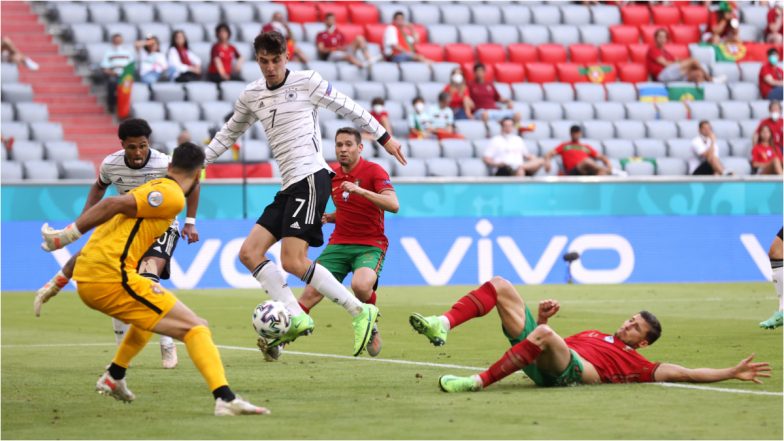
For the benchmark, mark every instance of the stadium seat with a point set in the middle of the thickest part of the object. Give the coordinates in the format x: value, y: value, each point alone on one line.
x: 575, y: 14
x: 638, y: 53
x: 257, y: 151
x: 485, y: 14
x: 649, y: 148
x: 374, y: 32
x: 387, y: 10
x: 8, y: 112
x: 442, y: 167
x: 301, y: 12
x: 10, y: 73
x: 160, y: 30
x: 84, y: 33
x: 11, y: 171
x: 46, y: 131
x: 671, y: 166
x: 339, y: 10
x: 384, y: 72
x: 570, y: 73
x: 363, y: 13
x: 456, y: 148
x: 165, y: 131
x: 680, y: 148
x: 629, y: 129
x: 565, y: 34
x: 16, y: 130
x: 490, y: 53
x: 594, y: 34
x: 368, y: 90
x: 672, y: 111
x: 715, y: 92
x: 27, y: 151
x: 632, y: 72
x: 401, y: 92
x: 415, y: 72
x: 665, y: 15
x: 545, y: 14
x: 138, y: 13
x: 40, y: 170
x: 578, y: 111
x: 739, y: 166
x: 600, y: 130
x: 749, y: 71
x: 443, y: 71
x: 687, y: 129
x: 618, y: 148
x: 504, y: 34
x: 647, y: 33
x: 547, y: 111
x: 166, y: 92
x: 472, y: 167
x: 425, y: 13
x: 748, y: 32
x: 149, y: 110
x: 527, y: 92
x: 744, y: 91
x: 609, y: 111
x: 456, y: 14
x: 541, y: 130
x: 414, y: 169
x: 471, y: 129
x: 551, y: 53
x: 679, y: 51
x: 236, y: 12
x: 725, y: 129
x: 740, y: 147
x: 558, y: 92
x: 639, y: 168
x: 694, y: 14
x: 613, y: 53
x: 516, y: 14
x: 759, y: 109
x: 199, y: 130
x: 584, y: 54
x: 69, y: 13
x: 522, y: 53
x: 704, y: 54
x: 31, y: 112
x: 459, y: 53
x: 16, y: 92
x: 170, y: 12
x: 605, y: 15
x: 433, y: 52
x: 735, y: 110
x: 640, y: 111
x: 77, y: 169
x: 183, y: 111
x: 429, y: 91
x: 756, y: 15
x: 200, y: 91
x: 661, y: 130
x: 509, y: 73
x: 684, y: 34
x: 624, y: 34
x: 590, y: 92
x: 635, y: 15
x: 748, y: 128
x: 540, y: 72
x: 534, y: 34
x: 216, y: 111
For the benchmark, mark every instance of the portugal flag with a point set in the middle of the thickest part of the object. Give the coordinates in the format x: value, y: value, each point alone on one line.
x: 124, y: 86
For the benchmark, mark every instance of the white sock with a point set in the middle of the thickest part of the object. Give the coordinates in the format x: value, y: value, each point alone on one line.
x: 445, y: 322
x: 478, y: 380
x: 329, y: 287
x: 777, y: 283
x: 272, y: 282
x: 166, y: 340
x: 120, y: 328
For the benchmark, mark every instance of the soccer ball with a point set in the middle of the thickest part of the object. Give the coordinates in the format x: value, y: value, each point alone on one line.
x: 271, y: 319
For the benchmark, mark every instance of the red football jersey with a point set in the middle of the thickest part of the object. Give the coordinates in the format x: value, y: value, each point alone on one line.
x: 331, y: 40
x: 764, y: 153
x: 573, y: 153
x: 357, y: 220
x: 613, y: 359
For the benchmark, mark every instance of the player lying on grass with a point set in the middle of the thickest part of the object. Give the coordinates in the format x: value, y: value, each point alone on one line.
x: 589, y: 357
x: 776, y: 254
x: 108, y: 281
x: 129, y: 168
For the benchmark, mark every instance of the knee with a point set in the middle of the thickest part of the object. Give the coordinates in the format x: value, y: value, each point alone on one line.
x: 293, y: 265
x: 246, y: 255
x: 362, y: 290
x: 360, y: 40
x: 500, y: 284
x: 543, y: 332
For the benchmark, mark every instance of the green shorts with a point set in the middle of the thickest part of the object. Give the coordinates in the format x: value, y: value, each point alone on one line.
x: 343, y: 259
x: 571, y: 376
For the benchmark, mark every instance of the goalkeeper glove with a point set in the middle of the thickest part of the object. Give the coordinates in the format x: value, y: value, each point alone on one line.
x: 56, y: 239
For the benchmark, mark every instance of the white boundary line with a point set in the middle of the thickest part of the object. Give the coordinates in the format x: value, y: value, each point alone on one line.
x: 410, y: 363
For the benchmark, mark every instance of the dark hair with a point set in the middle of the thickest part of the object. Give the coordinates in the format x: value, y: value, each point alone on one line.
x: 220, y: 27
x: 188, y: 157
x: 134, y: 127
x: 660, y: 30
x: 417, y: 98
x: 505, y: 119
x: 116, y: 34
x: 398, y: 14
x: 443, y: 96
x: 174, y: 34
x: 478, y: 66
x: 653, y: 322
x: 772, y: 50
x: 703, y: 122
x: 350, y: 131
x: 329, y: 14
x: 575, y: 129
x: 272, y: 42
x: 377, y: 100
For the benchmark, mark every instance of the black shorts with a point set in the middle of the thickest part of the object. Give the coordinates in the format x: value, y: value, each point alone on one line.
x: 163, y: 248
x: 297, y: 210
x: 780, y: 234
x: 704, y: 169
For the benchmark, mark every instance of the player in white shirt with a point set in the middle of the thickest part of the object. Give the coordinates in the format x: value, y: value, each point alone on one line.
x: 706, y: 152
x: 508, y: 155
x: 128, y: 168
x: 286, y: 103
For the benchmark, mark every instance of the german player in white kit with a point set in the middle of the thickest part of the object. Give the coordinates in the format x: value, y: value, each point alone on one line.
x: 127, y: 169
x: 286, y: 103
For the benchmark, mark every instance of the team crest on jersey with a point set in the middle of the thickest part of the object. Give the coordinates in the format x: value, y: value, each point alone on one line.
x: 155, y: 198
x: 291, y: 94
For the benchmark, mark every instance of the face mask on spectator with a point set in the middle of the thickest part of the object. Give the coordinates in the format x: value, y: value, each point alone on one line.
x: 457, y: 79
x: 419, y: 107
x: 774, y: 59
x: 775, y: 116
x: 378, y: 108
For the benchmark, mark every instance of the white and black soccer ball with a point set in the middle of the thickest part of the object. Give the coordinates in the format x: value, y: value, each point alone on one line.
x: 271, y: 319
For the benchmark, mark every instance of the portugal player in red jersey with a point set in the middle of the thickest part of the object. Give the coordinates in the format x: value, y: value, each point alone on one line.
x: 589, y: 357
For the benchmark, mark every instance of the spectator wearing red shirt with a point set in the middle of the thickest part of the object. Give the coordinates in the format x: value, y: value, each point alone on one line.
x: 223, y: 54
x: 765, y: 157
x: 459, y: 99
x: 774, y: 29
x: 332, y: 45
x: 774, y: 122
x: 663, y: 66
x: 485, y: 97
x: 720, y: 24
x: 770, y: 77
x: 379, y: 112
x: 578, y: 158
x: 278, y: 23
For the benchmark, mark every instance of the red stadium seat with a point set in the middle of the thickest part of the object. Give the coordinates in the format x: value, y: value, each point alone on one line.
x: 685, y: 34
x: 375, y: 33
x: 509, y: 73
x: 540, y: 72
x: 623, y: 34
x: 468, y: 72
x: 694, y: 14
x: 422, y: 31
x: 584, y: 53
x: 635, y: 15
x: 339, y: 9
x: 522, y: 53
x: 633, y: 72
x: 666, y: 15
x: 363, y: 13
x: 351, y: 31
x: 551, y: 53
x: 759, y: 51
x: 679, y: 51
x: 302, y: 12
x: 459, y: 53
x: 490, y: 53
x: 433, y: 52
x: 613, y: 53
x: 638, y: 52
x: 647, y: 32
x: 570, y: 73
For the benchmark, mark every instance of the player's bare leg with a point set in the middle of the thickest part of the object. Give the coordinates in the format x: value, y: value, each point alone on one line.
x: 776, y: 254
x: 55, y: 284
x: 152, y: 268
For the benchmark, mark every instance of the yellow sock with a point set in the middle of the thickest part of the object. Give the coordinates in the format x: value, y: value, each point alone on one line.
x: 205, y: 356
x: 135, y: 340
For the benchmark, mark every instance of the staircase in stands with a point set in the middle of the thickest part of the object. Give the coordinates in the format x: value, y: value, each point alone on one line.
x: 57, y: 85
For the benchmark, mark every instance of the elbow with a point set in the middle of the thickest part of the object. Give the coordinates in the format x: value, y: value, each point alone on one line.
x: 395, y: 208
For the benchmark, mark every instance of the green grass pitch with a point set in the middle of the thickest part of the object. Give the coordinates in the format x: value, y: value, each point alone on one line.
x: 50, y: 364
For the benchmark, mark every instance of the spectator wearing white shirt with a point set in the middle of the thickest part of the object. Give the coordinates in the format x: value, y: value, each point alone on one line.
x: 507, y: 154
x: 112, y: 65
x: 152, y: 62
x: 184, y: 65
x: 399, y: 40
x: 444, y: 118
x: 706, y: 152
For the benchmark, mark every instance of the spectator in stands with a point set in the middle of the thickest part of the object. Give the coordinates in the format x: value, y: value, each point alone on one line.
x: 773, y: 30
x: 112, y: 65
x: 420, y: 123
x: 663, y: 66
x: 278, y: 23
x: 459, y: 98
x: 185, y: 136
x: 399, y: 40
x: 578, y: 158
x: 765, y: 158
x: 507, y: 154
x: 720, y: 24
x: 225, y: 60
x: 706, y: 152
x: 771, y: 76
x: 485, y: 97
x: 186, y: 66
x: 332, y: 45
x: 11, y: 54
x: 378, y: 112
x: 444, y: 119
x: 774, y: 122
x: 152, y: 62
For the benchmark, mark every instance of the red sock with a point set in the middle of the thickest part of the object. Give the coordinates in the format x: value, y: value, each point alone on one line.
x: 372, y: 299
x: 516, y: 358
x: 475, y: 304
x: 304, y: 308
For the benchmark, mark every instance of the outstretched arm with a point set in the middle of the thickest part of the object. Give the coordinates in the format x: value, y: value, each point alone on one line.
x: 96, y: 215
x: 745, y: 370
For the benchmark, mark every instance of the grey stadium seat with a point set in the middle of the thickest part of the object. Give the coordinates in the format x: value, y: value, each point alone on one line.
x: 457, y: 148
x: 312, y: 29
x: 216, y: 111
x: 236, y: 12
x: 739, y: 166
x: 516, y: 14
x: 351, y: 73
x: 194, y: 32
x: 749, y: 71
x: 560, y: 129
x: 472, y: 167
x: 661, y: 129
x: 473, y: 34
x: 704, y: 54
x: 640, y: 168
x: 399, y: 126
x: 442, y: 72
x: 725, y: 129
x: 394, y: 109
x: 199, y: 130
x: 735, y: 110
x: 564, y: 34
x: 32, y: 112
x: 756, y: 15
x: 558, y: 92
x: 10, y: 73
x: 140, y: 93
x: 255, y: 151
x: 61, y: 151
x: 594, y: 34
x: 182, y: 111
x: 640, y: 111
x: 671, y: 167
x: 128, y: 31
x: 329, y: 128
x: 368, y: 90
x: 545, y: 14
x: 605, y: 15
x: 484, y: 14
x: 744, y: 91
x: 629, y: 129
x: 672, y: 111
x: 231, y: 90
x: 748, y: 128
x: 429, y: 91
x: 248, y: 31
x: 16, y: 92
x: 138, y: 12
x: 759, y: 109
x: 201, y: 91
x: 149, y: 110
x: 650, y: 148
x: 480, y: 145
x: 578, y: 111
x: 457, y: 14
x: 384, y: 72
x: 415, y: 168
x: 528, y: 92
x: 11, y: 171
x: 621, y: 92
x: 723, y: 147
x: 715, y: 92
x: 17, y: 130
x: 167, y: 92
x: 8, y: 112
x: 265, y: 10
x: 160, y: 30
x: 424, y: 148
x: 165, y: 131
x: 424, y: 13
x: 547, y: 111
x: 679, y: 148
x: 703, y: 110
x: 46, y: 131
x: 172, y: 12
x: 326, y: 115
x: 442, y: 167
x: 403, y: 93
x: 688, y: 129
x: 589, y: 92
x: 471, y: 129
x: 250, y: 71
x: 575, y: 14
x: 748, y: 32
x: 87, y: 33
x: 206, y: 13
x: 77, y: 169
x: 69, y: 13
x: 534, y: 34
x: 415, y: 72
x: 609, y: 111
x: 524, y: 109
x: 504, y: 34
x: 542, y: 130
x: 730, y: 70
x: 442, y: 33
x: 40, y: 170
x: 599, y: 129
x: 27, y: 151
x: 740, y: 147
x: 618, y: 148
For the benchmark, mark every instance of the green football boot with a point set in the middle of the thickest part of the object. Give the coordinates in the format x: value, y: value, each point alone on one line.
x: 363, y: 327
x: 453, y: 383
x: 430, y: 327
x: 773, y: 322
x: 301, y: 324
